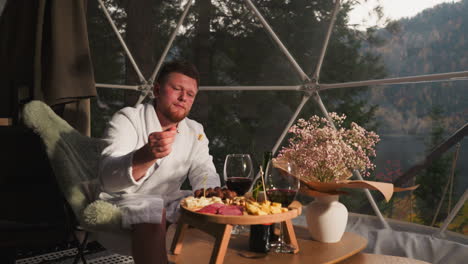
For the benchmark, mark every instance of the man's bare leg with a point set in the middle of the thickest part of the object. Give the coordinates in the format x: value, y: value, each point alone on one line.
x: 149, y: 243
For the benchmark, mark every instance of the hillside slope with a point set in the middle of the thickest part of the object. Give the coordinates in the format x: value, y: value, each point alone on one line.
x: 434, y: 41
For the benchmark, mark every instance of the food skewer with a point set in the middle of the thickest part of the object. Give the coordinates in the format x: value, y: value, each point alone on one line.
x: 263, y: 183
x: 204, y: 185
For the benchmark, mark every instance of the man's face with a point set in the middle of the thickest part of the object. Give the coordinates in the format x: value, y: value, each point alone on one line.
x: 174, y: 98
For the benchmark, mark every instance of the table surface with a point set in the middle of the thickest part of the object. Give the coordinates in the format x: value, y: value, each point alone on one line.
x: 198, y: 246
x: 381, y: 259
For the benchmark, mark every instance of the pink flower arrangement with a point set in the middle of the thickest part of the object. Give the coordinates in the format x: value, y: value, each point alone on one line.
x: 322, y: 153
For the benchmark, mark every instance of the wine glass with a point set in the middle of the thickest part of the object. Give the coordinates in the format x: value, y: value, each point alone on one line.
x: 238, y: 174
x: 281, y: 187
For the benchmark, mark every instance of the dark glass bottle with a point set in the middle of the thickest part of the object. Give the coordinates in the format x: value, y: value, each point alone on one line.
x: 267, y: 156
x: 260, y: 235
x: 258, y: 186
x: 259, y: 240
x: 273, y: 237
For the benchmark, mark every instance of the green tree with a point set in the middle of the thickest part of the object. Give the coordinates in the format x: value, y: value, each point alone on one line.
x: 242, y: 53
x: 107, y: 61
x: 140, y: 36
x: 433, y: 179
x: 145, y: 26
x: 230, y: 47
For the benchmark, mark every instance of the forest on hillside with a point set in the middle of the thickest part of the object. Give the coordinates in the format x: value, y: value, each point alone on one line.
x: 434, y: 41
x: 414, y: 118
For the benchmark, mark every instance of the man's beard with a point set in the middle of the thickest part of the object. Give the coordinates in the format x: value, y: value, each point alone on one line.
x: 173, y: 115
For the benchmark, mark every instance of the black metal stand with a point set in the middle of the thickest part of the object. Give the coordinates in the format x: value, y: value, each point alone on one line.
x: 81, y: 247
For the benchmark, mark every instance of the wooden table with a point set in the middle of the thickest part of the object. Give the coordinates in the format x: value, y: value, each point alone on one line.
x: 198, y: 248
x: 363, y: 258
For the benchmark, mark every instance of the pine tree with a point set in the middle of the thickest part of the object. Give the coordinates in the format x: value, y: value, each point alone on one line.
x: 231, y: 48
x: 433, y: 179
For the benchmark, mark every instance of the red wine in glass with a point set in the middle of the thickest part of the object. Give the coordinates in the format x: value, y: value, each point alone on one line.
x: 283, y: 196
x: 239, y: 184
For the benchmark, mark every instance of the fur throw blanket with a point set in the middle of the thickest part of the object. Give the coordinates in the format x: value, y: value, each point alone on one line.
x: 74, y: 159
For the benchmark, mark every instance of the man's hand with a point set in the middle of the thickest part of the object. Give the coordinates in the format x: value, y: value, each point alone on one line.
x: 159, y: 146
x: 160, y: 143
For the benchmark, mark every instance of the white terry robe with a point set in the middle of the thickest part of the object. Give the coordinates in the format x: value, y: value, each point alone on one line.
x: 143, y: 200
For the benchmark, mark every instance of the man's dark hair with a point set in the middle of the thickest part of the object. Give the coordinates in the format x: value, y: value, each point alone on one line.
x: 182, y: 67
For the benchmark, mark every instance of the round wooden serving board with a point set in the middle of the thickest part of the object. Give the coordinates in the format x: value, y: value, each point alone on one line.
x: 294, y: 211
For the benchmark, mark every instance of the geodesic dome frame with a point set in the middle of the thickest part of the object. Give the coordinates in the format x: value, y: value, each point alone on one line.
x: 310, y: 87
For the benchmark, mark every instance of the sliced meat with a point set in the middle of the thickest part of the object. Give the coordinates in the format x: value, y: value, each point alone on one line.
x: 222, y: 209
x: 230, y: 210
x: 212, y: 208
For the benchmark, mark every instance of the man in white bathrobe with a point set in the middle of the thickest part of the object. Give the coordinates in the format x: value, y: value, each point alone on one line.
x: 153, y: 149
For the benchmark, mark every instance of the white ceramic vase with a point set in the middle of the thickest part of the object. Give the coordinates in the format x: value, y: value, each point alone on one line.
x: 326, y: 219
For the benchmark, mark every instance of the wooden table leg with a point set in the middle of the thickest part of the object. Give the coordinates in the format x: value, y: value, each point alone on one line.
x: 177, y: 241
x: 290, y: 235
x: 222, y: 235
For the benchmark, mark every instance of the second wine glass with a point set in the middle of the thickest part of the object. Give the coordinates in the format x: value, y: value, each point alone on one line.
x: 281, y: 187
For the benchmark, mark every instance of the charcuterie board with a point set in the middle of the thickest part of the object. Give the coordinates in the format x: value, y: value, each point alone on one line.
x: 220, y: 227
x: 295, y: 210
